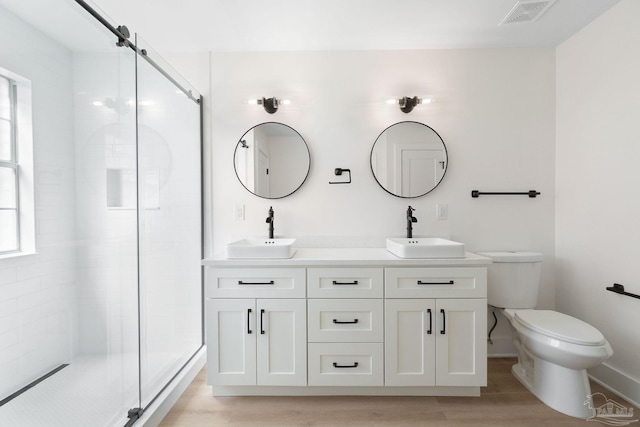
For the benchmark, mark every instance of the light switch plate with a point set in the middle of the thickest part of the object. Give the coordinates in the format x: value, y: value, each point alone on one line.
x: 442, y: 211
x: 238, y: 212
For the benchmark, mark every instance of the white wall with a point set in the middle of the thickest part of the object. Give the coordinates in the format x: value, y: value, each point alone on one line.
x: 597, y: 177
x: 493, y: 108
x: 36, y: 291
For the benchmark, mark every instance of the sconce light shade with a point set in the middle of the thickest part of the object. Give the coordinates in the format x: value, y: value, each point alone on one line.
x: 407, y: 104
x: 270, y: 105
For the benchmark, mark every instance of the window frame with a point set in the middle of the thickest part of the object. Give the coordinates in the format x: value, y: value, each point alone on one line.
x: 21, y: 162
x: 13, y: 162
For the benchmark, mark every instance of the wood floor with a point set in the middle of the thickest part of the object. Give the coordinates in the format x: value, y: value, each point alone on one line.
x: 504, y: 402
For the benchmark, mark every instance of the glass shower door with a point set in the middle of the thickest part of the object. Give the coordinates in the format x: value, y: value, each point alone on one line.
x: 106, y: 347
x: 170, y: 235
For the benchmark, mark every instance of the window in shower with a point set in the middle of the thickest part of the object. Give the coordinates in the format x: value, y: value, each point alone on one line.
x: 16, y: 165
x: 9, y: 226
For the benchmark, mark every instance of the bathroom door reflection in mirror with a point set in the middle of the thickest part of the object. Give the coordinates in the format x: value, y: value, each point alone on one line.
x: 409, y: 159
x: 272, y: 160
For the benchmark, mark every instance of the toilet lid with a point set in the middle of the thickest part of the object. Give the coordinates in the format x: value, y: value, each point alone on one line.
x: 560, y: 326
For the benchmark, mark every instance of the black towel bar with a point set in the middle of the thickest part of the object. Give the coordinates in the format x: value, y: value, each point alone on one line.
x: 530, y: 193
x: 619, y: 289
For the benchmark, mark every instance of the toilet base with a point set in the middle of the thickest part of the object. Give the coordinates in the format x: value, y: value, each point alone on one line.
x: 563, y: 389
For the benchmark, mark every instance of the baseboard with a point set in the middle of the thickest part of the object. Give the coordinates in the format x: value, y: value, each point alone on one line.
x: 610, y: 378
x: 153, y: 416
x: 467, y: 391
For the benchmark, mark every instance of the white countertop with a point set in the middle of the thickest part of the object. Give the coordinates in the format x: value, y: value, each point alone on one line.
x: 354, y: 257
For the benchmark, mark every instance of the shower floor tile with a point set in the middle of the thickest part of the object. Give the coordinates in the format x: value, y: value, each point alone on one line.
x: 95, y: 391
x: 91, y: 391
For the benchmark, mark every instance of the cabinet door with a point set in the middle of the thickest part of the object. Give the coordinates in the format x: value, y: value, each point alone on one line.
x: 461, y: 342
x: 282, y: 342
x: 231, y: 341
x: 410, y: 330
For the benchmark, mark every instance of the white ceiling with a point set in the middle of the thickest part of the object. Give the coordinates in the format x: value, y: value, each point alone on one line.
x: 270, y: 25
x: 276, y: 25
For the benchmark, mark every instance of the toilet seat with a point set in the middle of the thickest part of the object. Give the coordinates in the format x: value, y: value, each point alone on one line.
x: 560, y: 326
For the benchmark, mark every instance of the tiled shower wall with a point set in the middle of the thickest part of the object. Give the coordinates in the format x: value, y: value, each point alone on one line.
x: 37, y: 291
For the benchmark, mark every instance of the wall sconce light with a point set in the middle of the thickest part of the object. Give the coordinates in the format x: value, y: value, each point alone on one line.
x: 407, y: 104
x: 270, y: 104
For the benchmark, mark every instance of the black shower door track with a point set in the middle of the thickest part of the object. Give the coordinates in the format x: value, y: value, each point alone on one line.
x: 123, y: 40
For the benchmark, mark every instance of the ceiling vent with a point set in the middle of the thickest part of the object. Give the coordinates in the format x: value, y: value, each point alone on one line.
x: 527, y: 11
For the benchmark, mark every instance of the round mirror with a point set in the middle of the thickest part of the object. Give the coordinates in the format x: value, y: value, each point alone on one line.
x: 409, y: 159
x: 272, y: 160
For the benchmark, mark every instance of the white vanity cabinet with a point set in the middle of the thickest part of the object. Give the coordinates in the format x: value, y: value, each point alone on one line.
x: 346, y: 322
x: 256, y: 341
x: 435, y: 341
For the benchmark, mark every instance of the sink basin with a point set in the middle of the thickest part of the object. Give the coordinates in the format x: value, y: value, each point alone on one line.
x: 261, y: 248
x: 425, y: 247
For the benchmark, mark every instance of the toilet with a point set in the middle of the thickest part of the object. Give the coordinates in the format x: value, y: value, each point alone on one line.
x: 554, y: 349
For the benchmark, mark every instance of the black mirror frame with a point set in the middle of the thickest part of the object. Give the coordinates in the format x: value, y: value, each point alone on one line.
x: 241, y: 142
x: 420, y: 195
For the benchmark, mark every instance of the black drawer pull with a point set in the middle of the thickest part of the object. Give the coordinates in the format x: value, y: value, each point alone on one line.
x: 355, y: 365
x: 339, y: 322
x: 249, y: 321
x: 240, y: 282
x: 450, y: 282
x: 444, y: 322
x: 335, y: 282
x: 430, y: 322
x: 262, y: 321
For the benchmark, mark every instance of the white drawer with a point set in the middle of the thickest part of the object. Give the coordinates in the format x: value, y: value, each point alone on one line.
x: 255, y: 282
x: 462, y: 282
x: 358, y: 364
x: 345, y: 320
x: 345, y: 282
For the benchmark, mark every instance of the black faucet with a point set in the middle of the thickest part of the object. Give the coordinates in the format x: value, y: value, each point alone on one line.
x: 410, y: 219
x: 270, y: 221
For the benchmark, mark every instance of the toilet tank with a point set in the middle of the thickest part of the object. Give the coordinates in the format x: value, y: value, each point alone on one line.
x: 513, y: 279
